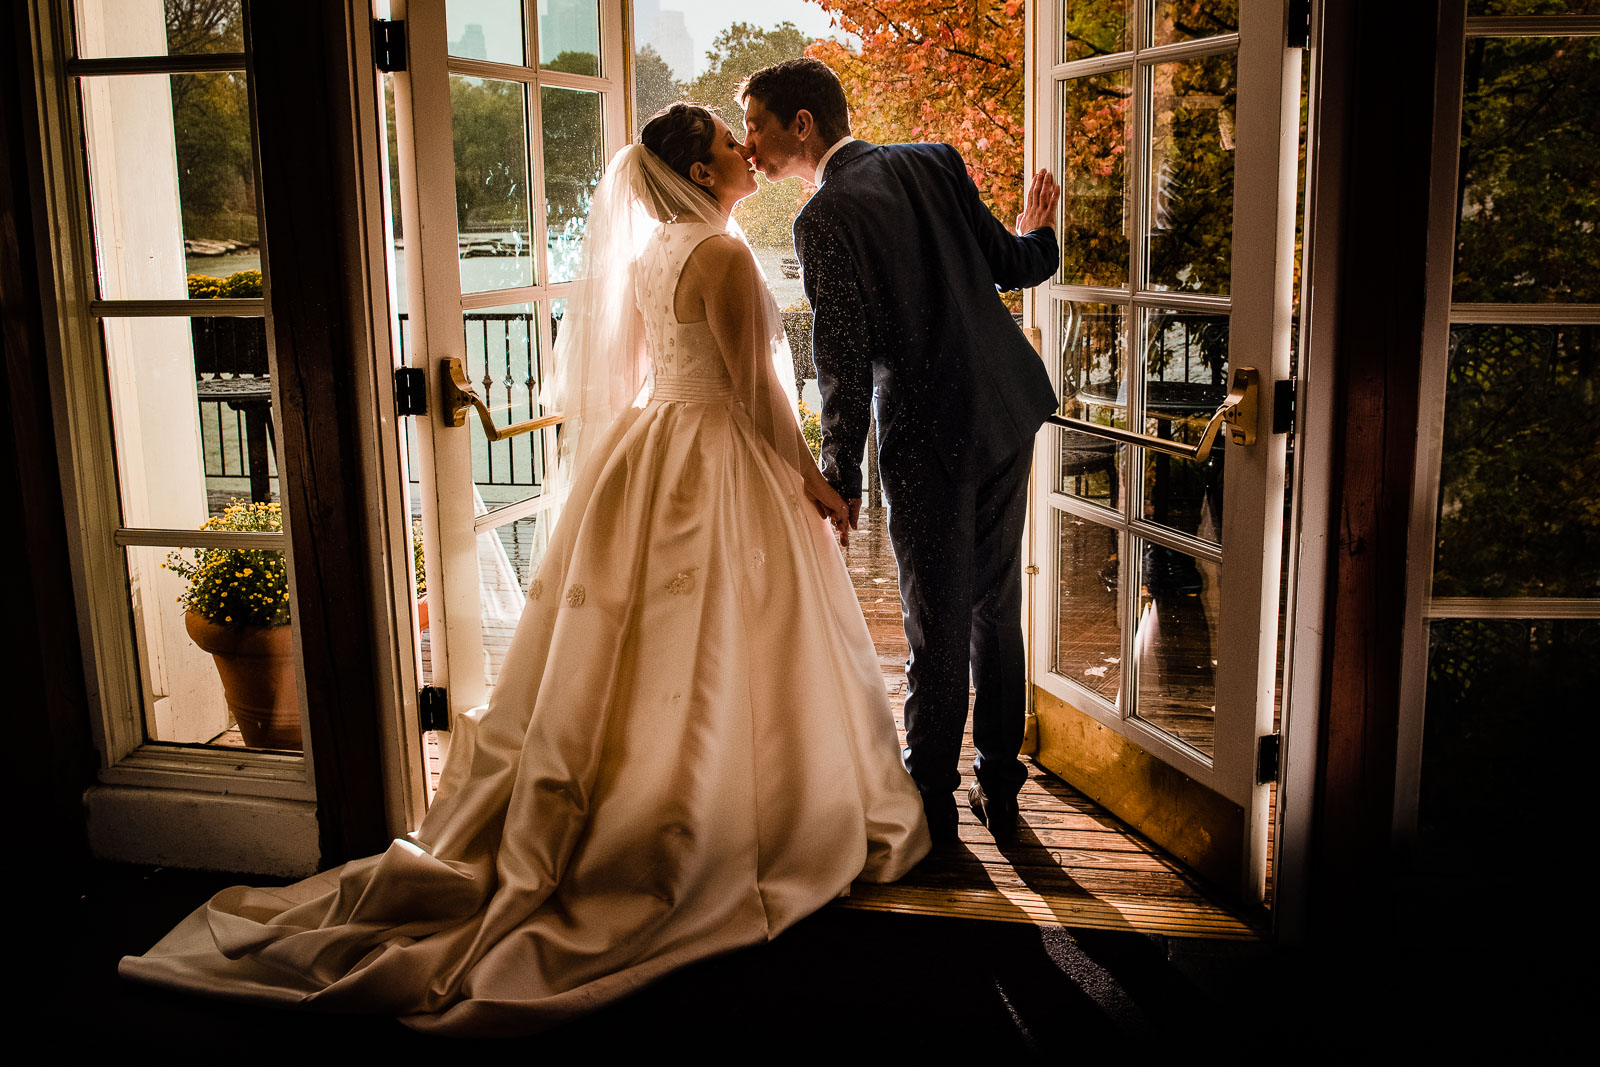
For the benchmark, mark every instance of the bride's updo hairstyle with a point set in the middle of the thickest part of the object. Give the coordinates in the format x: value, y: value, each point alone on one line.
x: 681, y: 135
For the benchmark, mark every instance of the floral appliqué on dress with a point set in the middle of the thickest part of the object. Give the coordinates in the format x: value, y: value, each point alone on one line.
x: 682, y: 582
x: 575, y: 595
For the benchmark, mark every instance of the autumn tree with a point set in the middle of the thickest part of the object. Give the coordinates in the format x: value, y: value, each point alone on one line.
x: 938, y: 70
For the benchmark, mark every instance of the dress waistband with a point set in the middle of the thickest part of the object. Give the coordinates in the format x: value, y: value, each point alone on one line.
x: 693, y: 390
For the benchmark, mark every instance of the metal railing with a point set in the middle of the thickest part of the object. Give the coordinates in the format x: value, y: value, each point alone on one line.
x: 230, y: 357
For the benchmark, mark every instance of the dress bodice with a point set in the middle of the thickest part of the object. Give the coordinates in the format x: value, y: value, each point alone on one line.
x: 685, y: 362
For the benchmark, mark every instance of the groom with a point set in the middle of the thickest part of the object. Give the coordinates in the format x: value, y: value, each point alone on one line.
x: 901, y: 262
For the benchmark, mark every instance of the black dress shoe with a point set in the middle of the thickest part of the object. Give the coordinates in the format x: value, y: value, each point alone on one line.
x: 999, y: 814
x: 941, y: 813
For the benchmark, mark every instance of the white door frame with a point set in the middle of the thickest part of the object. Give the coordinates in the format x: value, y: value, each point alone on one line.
x: 435, y: 305
x: 1263, y: 233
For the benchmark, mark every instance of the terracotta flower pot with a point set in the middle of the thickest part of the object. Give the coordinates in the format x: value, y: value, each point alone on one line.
x: 257, y: 669
x: 422, y: 612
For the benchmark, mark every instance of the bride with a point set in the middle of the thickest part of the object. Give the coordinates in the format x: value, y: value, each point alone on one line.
x: 689, y: 748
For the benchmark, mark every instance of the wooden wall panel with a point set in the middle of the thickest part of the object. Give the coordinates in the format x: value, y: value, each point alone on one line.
x: 1386, y: 71
x: 306, y: 129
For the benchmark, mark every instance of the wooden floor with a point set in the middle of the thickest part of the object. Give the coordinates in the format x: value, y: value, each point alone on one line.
x: 1073, y: 863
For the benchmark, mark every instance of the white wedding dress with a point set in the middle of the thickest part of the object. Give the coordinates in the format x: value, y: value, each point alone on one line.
x: 689, y: 748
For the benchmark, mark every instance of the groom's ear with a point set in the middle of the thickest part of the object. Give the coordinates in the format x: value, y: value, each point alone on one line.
x: 804, y: 124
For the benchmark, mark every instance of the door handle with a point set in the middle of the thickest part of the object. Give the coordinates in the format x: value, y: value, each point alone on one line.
x: 461, y: 397
x: 1237, y: 412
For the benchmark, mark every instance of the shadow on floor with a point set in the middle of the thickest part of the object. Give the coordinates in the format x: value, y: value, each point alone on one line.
x: 848, y: 984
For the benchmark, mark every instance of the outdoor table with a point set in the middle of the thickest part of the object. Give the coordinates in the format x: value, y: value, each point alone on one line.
x: 253, y: 397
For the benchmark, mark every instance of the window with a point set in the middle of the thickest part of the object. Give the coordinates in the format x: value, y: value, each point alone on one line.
x: 172, y: 400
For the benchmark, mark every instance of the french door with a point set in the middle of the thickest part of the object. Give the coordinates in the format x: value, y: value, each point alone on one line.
x: 504, y: 117
x: 1159, y: 500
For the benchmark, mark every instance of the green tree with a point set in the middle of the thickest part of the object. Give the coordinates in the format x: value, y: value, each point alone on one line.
x: 738, y: 52
x: 1529, y: 177
x: 574, y: 157
x: 199, y: 26
x: 488, y: 121
x: 767, y: 217
x: 211, y: 124
x: 654, y: 87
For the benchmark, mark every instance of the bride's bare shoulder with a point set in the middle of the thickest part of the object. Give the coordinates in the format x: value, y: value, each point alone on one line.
x: 720, y: 252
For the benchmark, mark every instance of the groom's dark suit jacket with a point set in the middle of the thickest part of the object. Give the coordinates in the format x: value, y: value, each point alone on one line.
x: 901, y: 260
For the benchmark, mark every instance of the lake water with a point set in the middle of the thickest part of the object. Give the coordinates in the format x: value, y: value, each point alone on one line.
x: 488, y: 272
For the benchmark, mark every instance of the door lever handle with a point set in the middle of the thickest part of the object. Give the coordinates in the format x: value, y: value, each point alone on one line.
x: 1237, y: 412
x: 461, y: 397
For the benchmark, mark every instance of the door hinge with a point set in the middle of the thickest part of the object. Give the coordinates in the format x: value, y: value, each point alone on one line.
x: 1031, y: 568
x: 389, y: 44
x: 1284, y: 394
x: 1299, y: 23
x: 433, y: 708
x: 1267, y: 746
x: 410, y: 391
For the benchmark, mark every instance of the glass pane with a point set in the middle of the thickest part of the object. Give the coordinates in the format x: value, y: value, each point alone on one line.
x: 1093, y: 387
x: 191, y: 410
x: 1095, y: 28
x: 214, y: 644
x: 1492, y: 684
x: 655, y: 86
x: 490, y: 122
x: 172, y: 181
x: 1519, y: 485
x: 108, y: 28
x: 1530, y: 165
x: 558, y: 309
x: 486, y: 29
x: 573, y: 148
x: 1187, y: 20
x: 1186, y: 375
x: 569, y: 36
x: 1179, y: 597
x: 503, y: 362
x: 508, y: 556
x: 1189, y: 207
x: 1094, y: 182
x: 1088, y: 605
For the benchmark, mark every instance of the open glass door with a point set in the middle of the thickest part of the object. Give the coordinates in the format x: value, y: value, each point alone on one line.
x: 503, y: 120
x: 1173, y: 126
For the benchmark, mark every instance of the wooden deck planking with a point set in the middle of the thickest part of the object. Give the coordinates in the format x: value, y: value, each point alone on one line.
x: 1074, y: 864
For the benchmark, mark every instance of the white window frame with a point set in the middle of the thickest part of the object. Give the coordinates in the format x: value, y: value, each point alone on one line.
x: 1422, y: 607
x: 435, y: 302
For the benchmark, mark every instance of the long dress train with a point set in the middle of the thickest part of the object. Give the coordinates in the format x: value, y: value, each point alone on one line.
x: 688, y: 750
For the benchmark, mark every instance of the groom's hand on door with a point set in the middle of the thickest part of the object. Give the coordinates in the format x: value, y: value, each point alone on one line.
x: 1039, y: 206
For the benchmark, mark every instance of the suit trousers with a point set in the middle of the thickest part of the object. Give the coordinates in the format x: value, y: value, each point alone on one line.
x: 958, y: 547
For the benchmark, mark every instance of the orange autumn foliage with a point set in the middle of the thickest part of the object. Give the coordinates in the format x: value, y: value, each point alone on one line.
x: 938, y: 70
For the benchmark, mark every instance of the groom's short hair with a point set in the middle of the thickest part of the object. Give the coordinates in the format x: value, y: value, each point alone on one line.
x: 787, y: 88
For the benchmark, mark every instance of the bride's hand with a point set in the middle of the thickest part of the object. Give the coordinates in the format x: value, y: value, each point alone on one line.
x: 829, y: 504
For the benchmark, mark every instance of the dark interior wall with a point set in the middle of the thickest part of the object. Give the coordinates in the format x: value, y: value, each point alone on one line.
x: 50, y: 758
x: 306, y: 126
x: 1375, y: 57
